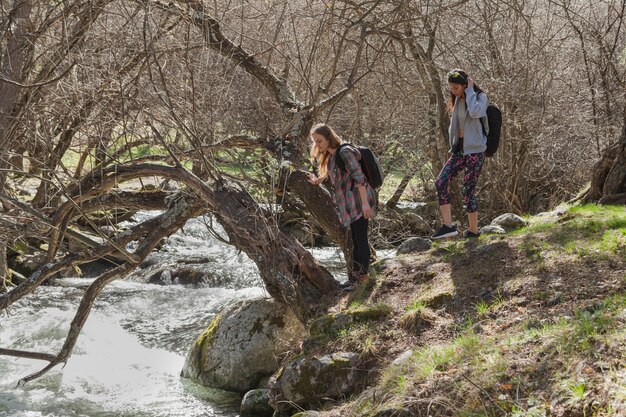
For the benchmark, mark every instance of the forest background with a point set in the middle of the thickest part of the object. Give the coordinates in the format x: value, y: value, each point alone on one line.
x: 220, y: 97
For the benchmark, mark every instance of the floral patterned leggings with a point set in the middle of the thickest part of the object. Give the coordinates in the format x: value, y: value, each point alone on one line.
x: 472, y: 164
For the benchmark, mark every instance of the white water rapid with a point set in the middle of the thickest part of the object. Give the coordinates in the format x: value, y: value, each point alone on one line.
x: 130, y: 353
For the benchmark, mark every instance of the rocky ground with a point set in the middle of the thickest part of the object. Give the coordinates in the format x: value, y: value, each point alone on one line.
x: 527, y: 323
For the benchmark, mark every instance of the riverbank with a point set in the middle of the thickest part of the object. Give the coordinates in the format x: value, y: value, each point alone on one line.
x: 528, y: 323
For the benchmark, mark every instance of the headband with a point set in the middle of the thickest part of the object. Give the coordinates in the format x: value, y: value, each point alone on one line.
x: 456, y: 77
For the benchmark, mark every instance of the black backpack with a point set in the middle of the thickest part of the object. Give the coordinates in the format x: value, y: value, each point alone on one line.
x: 494, y: 121
x: 369, y: 165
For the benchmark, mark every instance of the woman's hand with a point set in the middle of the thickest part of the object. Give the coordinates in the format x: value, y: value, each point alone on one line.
x: 470, y: 82
x: 312, y: 179
x: 367, y: 210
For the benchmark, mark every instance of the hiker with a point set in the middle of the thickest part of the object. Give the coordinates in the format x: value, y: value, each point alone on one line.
x: 468, y: 143
x: 353, y: 196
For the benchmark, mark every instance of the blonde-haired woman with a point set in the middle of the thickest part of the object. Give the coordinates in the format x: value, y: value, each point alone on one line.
x: 354, y: 198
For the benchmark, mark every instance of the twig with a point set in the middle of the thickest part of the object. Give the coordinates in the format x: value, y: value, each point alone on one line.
x: 484, y: 392
x: 41, y: 84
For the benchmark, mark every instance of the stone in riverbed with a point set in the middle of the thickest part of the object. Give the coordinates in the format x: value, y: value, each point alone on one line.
x: 242, y: 344
x: 256, y: 403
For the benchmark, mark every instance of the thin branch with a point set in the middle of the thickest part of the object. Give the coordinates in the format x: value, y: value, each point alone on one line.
x: 41, y: 84
x: 27, y: 355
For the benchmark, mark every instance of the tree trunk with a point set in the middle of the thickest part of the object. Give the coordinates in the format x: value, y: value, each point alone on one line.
x: 13, y: 59
x: 608, y: 181
x: 4, y: 269
x: 615, y: 182
x: 290, y: 273
x: 393, y: 201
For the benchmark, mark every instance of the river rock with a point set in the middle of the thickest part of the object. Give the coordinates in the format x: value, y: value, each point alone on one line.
x: 241, y: 345
x: 493, y: 229
x: 414, y: 244
x: 311, y: 380
x: 256, y: 403
x: 509, y: 221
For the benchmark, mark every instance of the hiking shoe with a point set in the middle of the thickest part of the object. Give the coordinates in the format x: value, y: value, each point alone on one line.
x: 445, y: 231
x: 347, y: 286
x: 471, y: 235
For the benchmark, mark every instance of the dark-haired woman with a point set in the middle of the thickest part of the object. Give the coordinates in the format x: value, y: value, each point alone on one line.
x: 468, y: 142
x: 354, y: 198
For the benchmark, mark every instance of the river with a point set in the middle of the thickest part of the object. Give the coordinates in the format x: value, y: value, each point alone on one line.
x: 129, y: 355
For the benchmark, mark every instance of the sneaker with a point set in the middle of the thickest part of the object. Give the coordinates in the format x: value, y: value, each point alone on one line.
x: 347, y: 286
x: 445, y: 231
x: 471, y: 235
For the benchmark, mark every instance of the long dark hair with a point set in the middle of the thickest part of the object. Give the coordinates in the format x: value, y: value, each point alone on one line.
x: 458, y: 76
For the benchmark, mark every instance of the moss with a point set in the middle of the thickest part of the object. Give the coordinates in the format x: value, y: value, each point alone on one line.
x: 205, y: 340
x: 376, y: 312
x: 331, y: 324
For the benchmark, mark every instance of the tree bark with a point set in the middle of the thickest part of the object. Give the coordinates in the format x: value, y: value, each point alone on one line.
x: 615, y: 182
x: 393, y: 201
x: 608, y: 181
x: 4, y: 268
x: 13, y: 61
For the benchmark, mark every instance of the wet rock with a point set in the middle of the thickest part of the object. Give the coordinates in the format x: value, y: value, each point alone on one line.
x: 242, y: 345
x: 183, y: 276
x: 414, y: 244
x: 256, y: 403
x: 310, y: 381
x: 509, y: 221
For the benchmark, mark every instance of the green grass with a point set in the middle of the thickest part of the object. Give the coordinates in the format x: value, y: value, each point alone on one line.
x: 360, y: 337
x: 416, y: 305
x: 482, y: 308
x: 560, y: 344
x: 589, y: 231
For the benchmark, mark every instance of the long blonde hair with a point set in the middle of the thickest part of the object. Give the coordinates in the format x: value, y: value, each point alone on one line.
x: 322, y: 158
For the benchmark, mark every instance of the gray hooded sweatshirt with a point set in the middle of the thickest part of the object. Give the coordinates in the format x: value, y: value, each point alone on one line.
x: 474, y: 140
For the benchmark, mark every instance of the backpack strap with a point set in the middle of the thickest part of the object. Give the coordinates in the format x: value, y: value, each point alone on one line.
x: 483, y: 120
x: 339, y: 161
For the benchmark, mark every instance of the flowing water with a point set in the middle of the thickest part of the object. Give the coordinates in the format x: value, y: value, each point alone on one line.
x: 129, y: 355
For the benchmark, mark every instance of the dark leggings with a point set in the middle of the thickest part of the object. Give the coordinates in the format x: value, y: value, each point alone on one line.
x: 472, y: 164
x: 361, y: 252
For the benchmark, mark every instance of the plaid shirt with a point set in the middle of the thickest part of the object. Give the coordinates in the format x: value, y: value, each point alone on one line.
x: 346, y: 197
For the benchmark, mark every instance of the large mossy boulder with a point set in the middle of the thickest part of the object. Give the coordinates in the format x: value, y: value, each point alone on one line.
x: 309, y: 381
x: 241, y: 345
